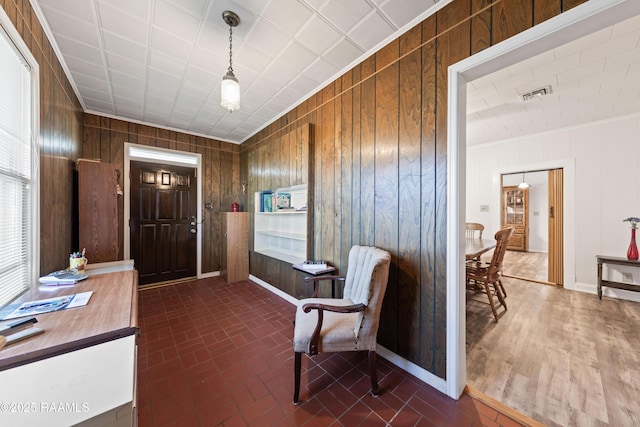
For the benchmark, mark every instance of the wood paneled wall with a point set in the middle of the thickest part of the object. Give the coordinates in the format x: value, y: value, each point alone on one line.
x: 283, y: 162
x: 380, y: 163
x: 104, y: 140
x: 60, y: 140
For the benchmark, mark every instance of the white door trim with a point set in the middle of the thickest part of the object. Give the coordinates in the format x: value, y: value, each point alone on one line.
x: 172, y: 157
x: 579, y: 21
x: 568, y: 167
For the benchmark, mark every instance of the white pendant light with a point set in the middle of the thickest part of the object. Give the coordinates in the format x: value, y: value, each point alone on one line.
x: 523, y: 184
x: 230, y: 89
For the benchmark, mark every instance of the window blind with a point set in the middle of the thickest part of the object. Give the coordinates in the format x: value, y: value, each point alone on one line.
x: 16, y: 153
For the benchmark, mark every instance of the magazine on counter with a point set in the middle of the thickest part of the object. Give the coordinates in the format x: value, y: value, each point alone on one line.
x: 63, y: 277
x: 47, y: 305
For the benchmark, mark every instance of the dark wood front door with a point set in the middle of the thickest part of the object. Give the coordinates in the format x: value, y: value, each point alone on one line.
x: 163, y: 221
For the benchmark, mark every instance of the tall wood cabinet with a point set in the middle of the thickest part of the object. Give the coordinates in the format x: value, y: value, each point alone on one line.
x: 515, y: 213
x: 98, y: 210
x: 235, y: 246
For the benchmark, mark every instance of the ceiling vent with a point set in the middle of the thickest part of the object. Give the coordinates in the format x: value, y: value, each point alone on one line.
x: 537, y: 93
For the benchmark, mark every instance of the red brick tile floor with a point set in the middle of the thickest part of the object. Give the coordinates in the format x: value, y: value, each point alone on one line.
x: 218, y: 354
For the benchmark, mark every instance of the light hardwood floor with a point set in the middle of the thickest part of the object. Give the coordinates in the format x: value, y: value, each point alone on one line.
x: 532, y: 265
x: 564, y: 358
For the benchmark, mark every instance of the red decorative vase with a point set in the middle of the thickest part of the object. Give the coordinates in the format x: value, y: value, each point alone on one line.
x: 632, y: 252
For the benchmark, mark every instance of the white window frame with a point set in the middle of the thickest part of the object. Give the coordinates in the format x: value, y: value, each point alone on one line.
x: 34, y: 218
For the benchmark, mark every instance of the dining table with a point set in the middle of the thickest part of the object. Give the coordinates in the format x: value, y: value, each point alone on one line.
x: 476, y: 247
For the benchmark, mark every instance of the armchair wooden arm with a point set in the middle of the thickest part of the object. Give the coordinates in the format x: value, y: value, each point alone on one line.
x: 325, y: 277
x: 335, y: 308
x: 316, y: 280
x: 313, y: 342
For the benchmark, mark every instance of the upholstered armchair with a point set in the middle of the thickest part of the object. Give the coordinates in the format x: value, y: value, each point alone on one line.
x: 347, y: 324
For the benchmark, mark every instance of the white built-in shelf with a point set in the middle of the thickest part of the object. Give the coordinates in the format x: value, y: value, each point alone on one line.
x: 282, y: 234
x: 281, y: 212
x: 283, y: 256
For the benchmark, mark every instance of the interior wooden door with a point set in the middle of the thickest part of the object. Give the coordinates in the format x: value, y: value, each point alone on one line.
x: 163, y: 221
x: 556, y: 218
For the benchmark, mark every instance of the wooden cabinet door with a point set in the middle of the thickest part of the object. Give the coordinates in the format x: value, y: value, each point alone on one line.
x: 235, y: 246
x: 98, y: 211
x: 515, y: 213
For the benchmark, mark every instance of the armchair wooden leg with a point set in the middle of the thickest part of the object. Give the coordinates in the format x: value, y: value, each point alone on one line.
x: 296, y: 376
x: 373, y: 374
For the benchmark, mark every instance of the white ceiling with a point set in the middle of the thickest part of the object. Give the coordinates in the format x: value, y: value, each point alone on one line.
x: 160, y: 62
x: 593, y: 78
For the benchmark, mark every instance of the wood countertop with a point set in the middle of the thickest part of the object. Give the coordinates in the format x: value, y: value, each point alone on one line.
x: 112, y: 313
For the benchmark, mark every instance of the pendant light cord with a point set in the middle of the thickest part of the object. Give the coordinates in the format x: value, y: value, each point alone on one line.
x: 230, y: 50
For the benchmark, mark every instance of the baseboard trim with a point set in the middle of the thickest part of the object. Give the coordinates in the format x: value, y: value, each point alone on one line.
x: 210, y: 274
x: 502, y: 408
x: 413, y: 369
x: 609, y: 292
x: 285, y: 296
x: 399, y: 361
x: 166, y: 283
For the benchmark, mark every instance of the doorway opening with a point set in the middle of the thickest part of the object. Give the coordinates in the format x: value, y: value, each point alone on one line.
x: 532, y: 203
x: 580, y: 21
x: 167, y: 157
x: 163, y: 222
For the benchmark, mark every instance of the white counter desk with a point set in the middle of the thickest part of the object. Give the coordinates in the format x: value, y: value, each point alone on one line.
x: 82, y: 369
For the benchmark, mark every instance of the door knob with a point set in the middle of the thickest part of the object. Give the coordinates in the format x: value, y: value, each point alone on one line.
x: 193, y: 231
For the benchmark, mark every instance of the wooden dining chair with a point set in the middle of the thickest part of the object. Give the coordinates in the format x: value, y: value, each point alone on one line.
x: 349, y: 323
x: 486, y: 277
x: 473, y: 229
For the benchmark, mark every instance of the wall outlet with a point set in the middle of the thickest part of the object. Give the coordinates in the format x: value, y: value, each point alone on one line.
x: 484, y: 208
x: 627, y: 277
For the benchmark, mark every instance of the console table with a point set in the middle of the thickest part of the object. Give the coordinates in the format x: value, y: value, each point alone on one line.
x: 603, y: 259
